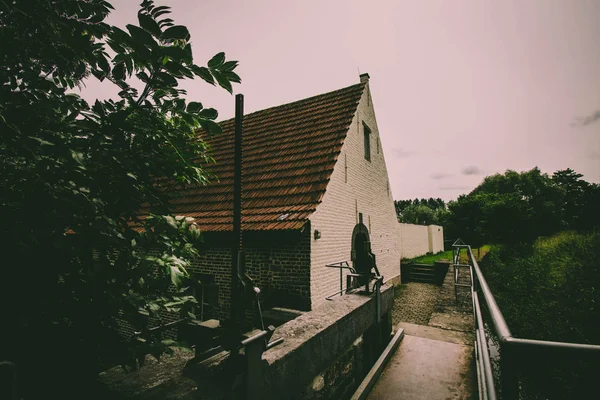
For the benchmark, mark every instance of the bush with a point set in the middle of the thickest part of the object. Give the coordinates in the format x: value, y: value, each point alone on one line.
x: 550, y: 291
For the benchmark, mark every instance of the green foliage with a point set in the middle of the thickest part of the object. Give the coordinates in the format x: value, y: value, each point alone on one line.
x: 549, y: 291
x: 417, y: 214
x: 77, y: 179
x: 430, y: 202
x: 421, y: 212
x: 519, y: 207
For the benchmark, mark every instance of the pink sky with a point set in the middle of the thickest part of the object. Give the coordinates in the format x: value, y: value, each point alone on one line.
x: 462, y: 89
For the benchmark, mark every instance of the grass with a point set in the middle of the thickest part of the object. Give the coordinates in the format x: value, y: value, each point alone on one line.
x: 445, y: 255
x: 431, y: 258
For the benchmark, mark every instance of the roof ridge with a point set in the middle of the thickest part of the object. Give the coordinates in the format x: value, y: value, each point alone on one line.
x: 296, y: 102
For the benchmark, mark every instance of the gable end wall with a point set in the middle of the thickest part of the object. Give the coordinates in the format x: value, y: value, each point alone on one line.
x: 361, y: 188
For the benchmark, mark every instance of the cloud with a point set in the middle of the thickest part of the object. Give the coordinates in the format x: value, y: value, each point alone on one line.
x: 593, y: 155
x: 587, y: 120
x: 402, y: 153
x: 440, y: 175
x: 471, y: 170
x: 450, y: 187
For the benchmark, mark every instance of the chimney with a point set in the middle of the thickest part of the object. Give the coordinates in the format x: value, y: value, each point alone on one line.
x: 364, y: 78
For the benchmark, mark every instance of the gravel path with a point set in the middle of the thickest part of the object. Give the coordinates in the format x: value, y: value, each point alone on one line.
x: 414, y: 303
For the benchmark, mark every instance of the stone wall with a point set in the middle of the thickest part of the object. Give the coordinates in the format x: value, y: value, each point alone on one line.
x: 327, y: 352
x: 356, y: 186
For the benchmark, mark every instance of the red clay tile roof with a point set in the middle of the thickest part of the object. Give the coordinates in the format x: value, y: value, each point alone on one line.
x: 289, y: 152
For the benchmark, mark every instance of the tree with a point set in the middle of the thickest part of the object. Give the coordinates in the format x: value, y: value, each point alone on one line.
x: 436, y: 205
x: 520, y: 207
x: 77, y: 182
x: 579, y: 209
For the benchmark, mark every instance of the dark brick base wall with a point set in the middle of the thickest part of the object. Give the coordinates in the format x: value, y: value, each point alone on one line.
x: 278, y: 263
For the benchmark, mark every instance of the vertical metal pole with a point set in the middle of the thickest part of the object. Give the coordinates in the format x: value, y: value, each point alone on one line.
x: 378, y: 299
x: 202, y: 306
x: 508, y: 373
x: 8, y: 380
x: 341, y: 282
x: 236, y: 298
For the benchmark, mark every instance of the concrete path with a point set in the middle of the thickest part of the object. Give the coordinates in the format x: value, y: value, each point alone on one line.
x: 435, y: 359
x: 431, y: 363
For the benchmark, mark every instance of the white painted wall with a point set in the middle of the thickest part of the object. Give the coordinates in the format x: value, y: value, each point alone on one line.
x: 414, y: 240
x: 361, y: 188
x: 417, y: 240
x: 436, y: 238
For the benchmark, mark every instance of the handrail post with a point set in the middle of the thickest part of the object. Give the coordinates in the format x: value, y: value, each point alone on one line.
x: 508, y: 372
x: 8, y: 380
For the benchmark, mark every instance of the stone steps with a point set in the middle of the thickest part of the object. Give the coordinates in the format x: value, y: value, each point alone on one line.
x: 422, y: 273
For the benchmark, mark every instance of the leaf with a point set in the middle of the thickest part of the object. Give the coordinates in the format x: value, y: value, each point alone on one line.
x: 217, y: 60
x: 80, y: 70
x: 194, y: 107
x: 188, y: 59
x: 232, y: 76
x: 223, y: 82
x: 174, y: 68
x: 180, y: 104
x: 119, y: 36
x: 140, y: 36
x: 167, y: 78
x: 229, y: 66
x: 160, y: 10
x: 118, y: 72
x: 203, y: 73
x: 78, y: 157
x: 103, y: 64
x: 42, y: 141
x: 209, y: 113
x: 99, y: 75
x: 176, y: 32
x: 177, y: 276
x: 210, y: 126
x: 143, y: 76
x: 149, y: 24
x: 171, y: 221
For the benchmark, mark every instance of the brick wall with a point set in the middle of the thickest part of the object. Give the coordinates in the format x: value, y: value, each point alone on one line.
x: 278, y: 262
x: 356, y: 186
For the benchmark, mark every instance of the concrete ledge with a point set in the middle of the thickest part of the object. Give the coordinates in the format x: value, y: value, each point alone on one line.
x: 367, y: 384
x: 313, y: 341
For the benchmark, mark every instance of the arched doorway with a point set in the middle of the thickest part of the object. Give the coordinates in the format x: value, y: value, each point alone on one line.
x: 363, y: 259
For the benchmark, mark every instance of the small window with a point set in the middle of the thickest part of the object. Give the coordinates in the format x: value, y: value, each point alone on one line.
x: 367, y: 134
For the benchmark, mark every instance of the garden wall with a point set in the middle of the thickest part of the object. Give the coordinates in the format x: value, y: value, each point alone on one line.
x: 417, y: 240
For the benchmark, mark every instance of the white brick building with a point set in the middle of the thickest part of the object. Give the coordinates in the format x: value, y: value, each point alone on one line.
x: 358, y: 185
x: 312, y: 170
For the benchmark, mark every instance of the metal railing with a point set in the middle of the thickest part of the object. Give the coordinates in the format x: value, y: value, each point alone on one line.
x: 513, y: 350
x: 341, y: 265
